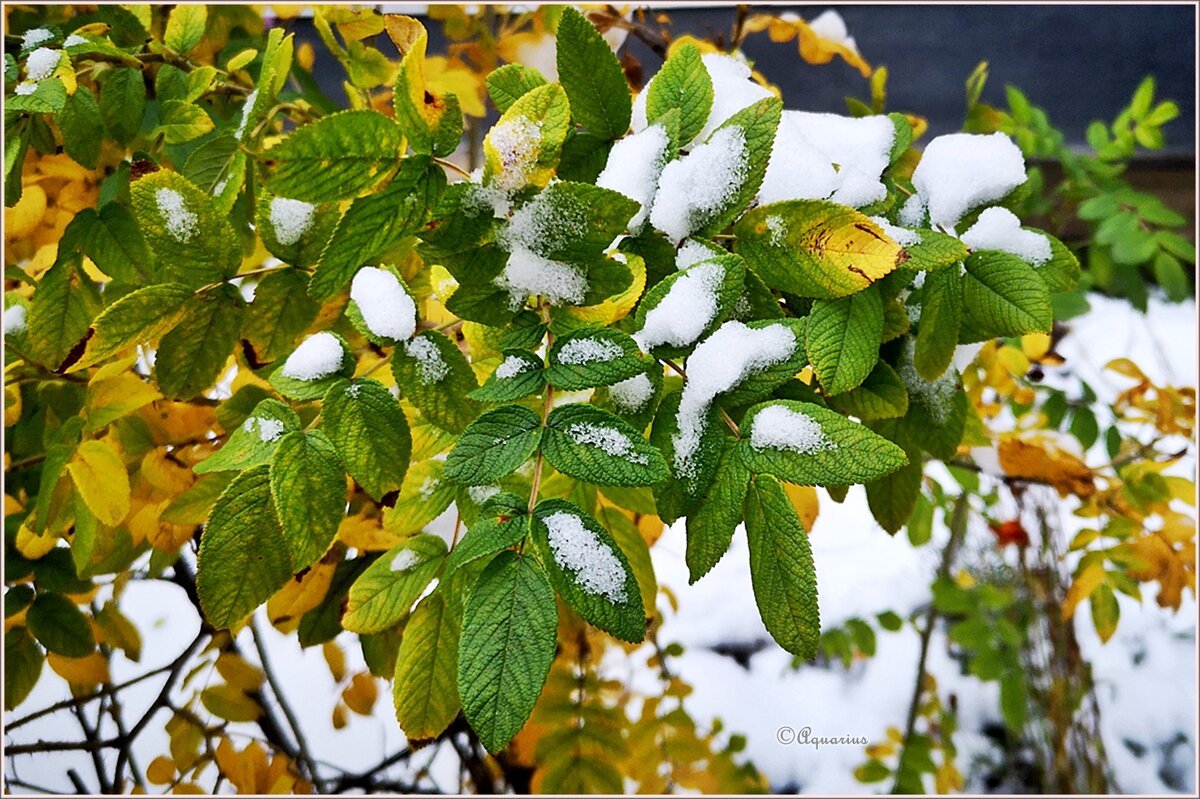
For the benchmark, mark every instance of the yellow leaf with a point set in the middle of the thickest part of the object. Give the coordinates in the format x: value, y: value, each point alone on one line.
x: 366, y: 534
x: 239, y: 673
x: 299, y: 596
x: 1013, y: 359
x: 12, y: 405
x: 805, y: 501
x: 118, y: 632
x: 336, y: 658
x: 33, y: 545
x: 161, y: 770
x: 1084, y: 584
x: 230, y: 703
x: 21, y: 219
x: 444, y: 76
x: 1043, y: 461
x: 84, y: 671
x: 361, y: 693
x: 188, y: 789
x: 1035, y: 345
x: 339, y: 719
x: 619, y: 306
x: 101, y: 480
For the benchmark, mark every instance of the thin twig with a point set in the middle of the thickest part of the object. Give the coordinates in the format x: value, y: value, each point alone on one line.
x: 281, y: 699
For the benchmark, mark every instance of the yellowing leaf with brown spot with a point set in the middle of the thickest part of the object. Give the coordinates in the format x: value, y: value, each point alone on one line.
x: 299, y: 596
x: 101, y: 480
x: 84, y: 671
x: 1042, y: 461
x: 164, y: 475
x: 815, y: 248
x: 361, y: 693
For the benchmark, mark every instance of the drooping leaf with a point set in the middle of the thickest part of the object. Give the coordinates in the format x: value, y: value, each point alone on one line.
x: 1003, y: 296
x: 308, y: 487
x: 433, y: 374
x: 592, y: 77
x: 335, y: 158
x: 711, y: 525
x: 781, y: 568
x: 192, y: 356
x: 139, y: 316
x: 193, y: 240
x: 507, y: 646
x: 842, y: 339
x: 941, y: 316
x: 494, y: 445
x: 370, y: 433
x: 385, y: 592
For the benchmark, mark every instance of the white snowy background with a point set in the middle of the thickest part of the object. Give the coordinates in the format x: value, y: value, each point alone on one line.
x: 1145, y: 675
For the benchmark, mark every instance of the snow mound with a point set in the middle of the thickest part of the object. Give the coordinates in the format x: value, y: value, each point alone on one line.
x: 961, y: 171
x: 633, y: 167
x: 291, y: 219
x: 688, y: 307
x: 827, y: 156
x: 632, y: 395
x: 511, y: 367
x: 779, y: 427
x: 577, y: 550
x: 528, y: 273
x: 517, y: 142
x: 387, y: 309
x: 693, y: 189
x: 42, y: 62
x: 902, y: 236
x: 581, y: 351
x: 1000, y: 229
x: 15, y: 320
x: 268, y: 429
x: 319, y: 355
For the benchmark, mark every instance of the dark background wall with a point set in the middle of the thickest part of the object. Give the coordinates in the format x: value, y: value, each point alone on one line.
x: 1079, y: 62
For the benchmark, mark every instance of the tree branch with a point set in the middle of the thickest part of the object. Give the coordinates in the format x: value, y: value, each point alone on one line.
x: 301, y: 744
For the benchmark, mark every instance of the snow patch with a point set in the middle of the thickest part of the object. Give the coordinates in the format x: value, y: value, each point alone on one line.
x: 828, y: 156
x: 512, y: 366
x: 733, y: 90
x: 912, y: 213
x: 517, y: 142
x: 15, y: 320
x: 35, y: 36
x: 481, y: 494
x: 961, y: 171
x: 319, y: 355
x: 268, y: 429
x: 609, y: 439
x: 42, y: 62
x: 778, y: 230
x: 387, y: 309
x: 688, y: 307
x: 291, y: 219
x: 582, y: 351
x: 780, y: 427
x: 693, y: 252
x: 247, y: 108
x: 633, y: 167
x: 718, y: 364
x: 1000, y: 229
x: 692, y: 190
x: 578, y: 550
x: 528, y: 273
x: 405, y: 559
x: 25, y: 88
x: 74, y: 39
x: 936, y: 395
x: 829, y: 25
x: 179, y: 221
x: 902, y: 236
x: 632, y: 395
x: 431, y: 367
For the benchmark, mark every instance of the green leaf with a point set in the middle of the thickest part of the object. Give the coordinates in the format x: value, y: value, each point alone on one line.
x: 433, y: 374
x: 758, y: 123
x: 139, y: 316
x: 592, y: 77
x: 218, y: 166
x: 937, y: 332
x: 589, y: 444
x: 22, y: 666
x: 711, y: 525
x: 49, y: 97
x: 572, y: 222
x: 323, y: 623
x: 122, y: 102
x: 385, y: 592
x: 60, y: 626
x: 893, y: 497
x: 510, y: 83
x: 80, y: 122
x: 502, y: 523
x: 683, y: 83
x: 937, y: 413
x: 881, y: 396
x: 1004, y: 296
x: 424, y: 496
x: 305, y: 390
x: 523, y: 148
x: 520, y: 374
x: 425, y: 688
x: 370, y: 433
x: 374, y: 223
x: 1062, y: 271
x: 63, y: 307
x: 335, y: 158
x: 309, y: 490
x: 588, y: 569
x: 494, y: 445
x: 110, y: 237
x: 185, y: 27
x: 1170, y: 274
x: 182, y: 122
x: 935, y: 251
x: 193, y: 240
x: 678, y: 496
x: 806, y: 444
x: 781, y: 568
x: 507, y: 646
x: 194, y: 505
x: 815, y: 248
x: 280, y: 312
x: 593, y: 356
x: 1014, y: 697
x: 243, y: 557
x: 842, y: 339
x: 192, y: 356
x: 681, y: 287
x: 1106, y: 613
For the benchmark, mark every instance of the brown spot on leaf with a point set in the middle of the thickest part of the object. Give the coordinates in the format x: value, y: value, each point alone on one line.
x: 868, y: 231
x: 251, y: 356
x: 388, y: 500
x: 140, y: 168
x: 76, y: 352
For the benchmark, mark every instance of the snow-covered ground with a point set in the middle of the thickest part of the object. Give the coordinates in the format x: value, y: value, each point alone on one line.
x: 1146, y: 675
